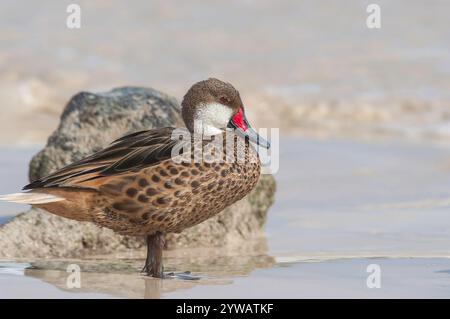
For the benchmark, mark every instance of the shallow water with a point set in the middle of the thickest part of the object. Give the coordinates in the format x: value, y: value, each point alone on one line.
x: 340, y: 278
x: 340, y: 206
x: 342, y: 198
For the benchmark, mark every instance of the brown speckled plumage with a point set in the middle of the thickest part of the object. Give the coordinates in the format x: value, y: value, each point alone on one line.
x: 136, y: 188
x: 167, y: 196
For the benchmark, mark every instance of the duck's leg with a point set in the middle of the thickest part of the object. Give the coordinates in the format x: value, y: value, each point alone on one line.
x: 153, y: 263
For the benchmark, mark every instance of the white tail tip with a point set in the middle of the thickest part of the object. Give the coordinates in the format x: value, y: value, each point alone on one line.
x: 30, y: 198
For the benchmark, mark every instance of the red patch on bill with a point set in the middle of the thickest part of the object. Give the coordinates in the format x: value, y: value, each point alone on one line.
x: 238, y: 120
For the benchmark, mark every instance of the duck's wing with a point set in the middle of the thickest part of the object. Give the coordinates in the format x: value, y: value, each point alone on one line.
x: 129, y: 153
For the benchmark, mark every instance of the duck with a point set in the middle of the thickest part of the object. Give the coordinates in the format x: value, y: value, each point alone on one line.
x: 153, y: 182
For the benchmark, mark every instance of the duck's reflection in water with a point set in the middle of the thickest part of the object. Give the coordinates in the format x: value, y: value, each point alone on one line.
x: 117, y: 276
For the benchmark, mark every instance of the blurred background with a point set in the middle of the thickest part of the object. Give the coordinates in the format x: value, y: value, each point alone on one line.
x: 312, y: 68
x: 364, y: 116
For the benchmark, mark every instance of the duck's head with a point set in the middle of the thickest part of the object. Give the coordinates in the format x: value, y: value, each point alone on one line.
x: 210, y: 106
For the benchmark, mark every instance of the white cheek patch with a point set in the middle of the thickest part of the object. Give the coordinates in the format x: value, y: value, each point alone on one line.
x: 212, y: 118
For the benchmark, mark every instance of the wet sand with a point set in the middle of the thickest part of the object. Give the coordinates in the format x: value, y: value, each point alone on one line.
x: 340, y: 206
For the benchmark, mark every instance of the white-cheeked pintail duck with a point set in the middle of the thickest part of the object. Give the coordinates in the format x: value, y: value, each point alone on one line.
x: 136, y: 186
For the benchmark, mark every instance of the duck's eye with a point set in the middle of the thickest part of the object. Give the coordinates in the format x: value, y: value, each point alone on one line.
x: 224, y: 100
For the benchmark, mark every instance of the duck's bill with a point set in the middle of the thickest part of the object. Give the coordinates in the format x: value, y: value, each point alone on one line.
x: 241, y: 125
x: 254, y: 137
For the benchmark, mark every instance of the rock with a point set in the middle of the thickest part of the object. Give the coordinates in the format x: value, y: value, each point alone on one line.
x: 90, y: 122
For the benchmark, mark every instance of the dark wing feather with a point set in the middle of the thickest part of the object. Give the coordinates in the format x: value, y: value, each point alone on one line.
x: 128, y: 153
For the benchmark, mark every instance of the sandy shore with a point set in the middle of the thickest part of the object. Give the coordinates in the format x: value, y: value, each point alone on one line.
x: 340, y: 206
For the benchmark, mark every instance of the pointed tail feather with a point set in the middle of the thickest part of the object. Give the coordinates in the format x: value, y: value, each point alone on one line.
x: 31, y: 198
